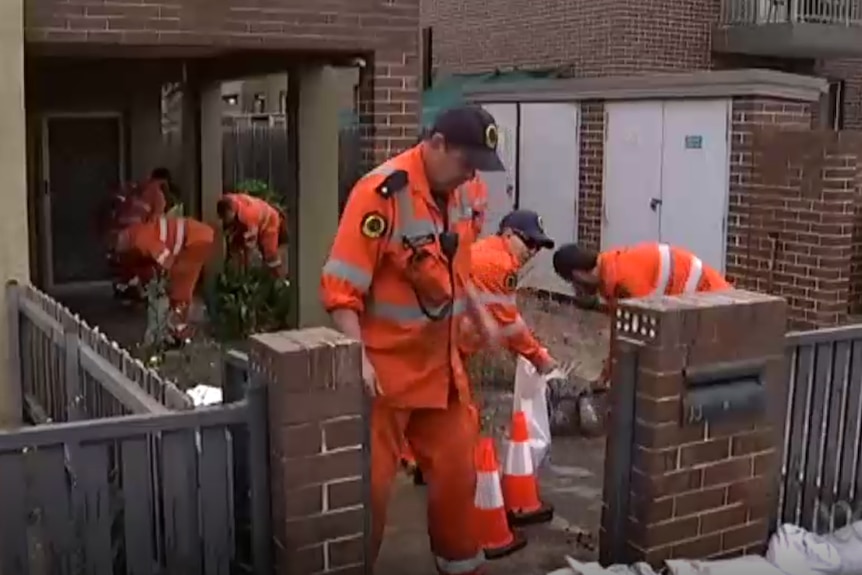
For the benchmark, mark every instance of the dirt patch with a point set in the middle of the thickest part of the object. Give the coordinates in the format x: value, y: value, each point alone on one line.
x: 576, y: 338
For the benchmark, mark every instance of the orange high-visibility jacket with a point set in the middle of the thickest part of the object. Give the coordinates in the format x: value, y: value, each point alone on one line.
x: 655, y: 269
x: 164, y: 238
x: 494, y: 274
x: 387, y: 264
x: 257, y: 222
x: 149, y: 203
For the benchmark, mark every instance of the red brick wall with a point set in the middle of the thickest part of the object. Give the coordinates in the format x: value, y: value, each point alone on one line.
x: 389, y: 28
x: 592, y: 38
x: 793, y: 194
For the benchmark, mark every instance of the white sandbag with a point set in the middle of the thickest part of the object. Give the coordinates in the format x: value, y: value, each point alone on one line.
x: 747, y: 565
x: 848, y: 542
x: 593, y: 568
x: 796, y: 551
x: 531, y: 398
x: 205, y: 395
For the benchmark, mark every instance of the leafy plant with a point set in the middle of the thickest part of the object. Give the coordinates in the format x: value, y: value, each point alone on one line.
x: 246, y: 300
x: 262, y: 190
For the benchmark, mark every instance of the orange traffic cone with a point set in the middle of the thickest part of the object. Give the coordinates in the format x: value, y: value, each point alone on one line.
x: 494, y: 533
x: 520, y: 487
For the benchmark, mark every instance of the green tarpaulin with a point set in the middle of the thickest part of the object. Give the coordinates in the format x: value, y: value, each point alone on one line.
x: 449, y: 90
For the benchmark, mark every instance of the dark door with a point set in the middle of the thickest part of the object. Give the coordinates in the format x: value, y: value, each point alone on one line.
x: 84, y: 166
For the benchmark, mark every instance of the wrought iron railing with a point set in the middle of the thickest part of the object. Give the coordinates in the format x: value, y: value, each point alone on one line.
x: 761, y: 12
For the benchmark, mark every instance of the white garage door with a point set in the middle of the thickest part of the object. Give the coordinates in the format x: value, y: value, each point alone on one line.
x: 666, y: 175
x: 548, y: 184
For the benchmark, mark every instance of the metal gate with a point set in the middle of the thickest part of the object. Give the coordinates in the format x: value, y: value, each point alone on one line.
x: 821, y: 487
x: 139, y: 495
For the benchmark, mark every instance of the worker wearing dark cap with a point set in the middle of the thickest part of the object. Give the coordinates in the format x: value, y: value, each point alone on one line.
x: 643, y: 270
x: 398, y: 280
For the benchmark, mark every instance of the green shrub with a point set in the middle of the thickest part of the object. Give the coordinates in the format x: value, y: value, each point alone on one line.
x: 248, y: 300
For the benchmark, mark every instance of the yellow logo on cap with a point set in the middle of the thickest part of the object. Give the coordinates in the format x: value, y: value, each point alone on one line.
x: 491, y: 136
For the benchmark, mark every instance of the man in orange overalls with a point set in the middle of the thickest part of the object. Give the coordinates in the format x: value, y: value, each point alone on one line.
x: 252, y: 223
x: 643, y: 270
x: 397, y: 279
x: 179, y: 247
x: 496, y: 261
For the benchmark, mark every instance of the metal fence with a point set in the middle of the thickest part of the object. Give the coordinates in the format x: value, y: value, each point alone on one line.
x: 257, y: 148
x: 821, y: 486
x: 69, y: 370
x: 753, y: 12
x: 139, y: 494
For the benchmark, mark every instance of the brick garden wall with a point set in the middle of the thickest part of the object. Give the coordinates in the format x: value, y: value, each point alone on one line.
x: 318, y: 450
x: 793, y: 196
x: 387, y: 28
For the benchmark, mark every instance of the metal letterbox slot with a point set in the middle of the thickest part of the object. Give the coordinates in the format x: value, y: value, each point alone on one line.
x: 723, y: 392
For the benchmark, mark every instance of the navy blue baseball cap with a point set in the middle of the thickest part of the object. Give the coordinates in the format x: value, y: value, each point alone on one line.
x: 529, y: 225
x: 473, y: 130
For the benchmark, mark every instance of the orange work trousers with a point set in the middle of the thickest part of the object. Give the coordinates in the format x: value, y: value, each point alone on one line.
x: 186, y: 271
x: 407, y: 452
x: 443, y: 441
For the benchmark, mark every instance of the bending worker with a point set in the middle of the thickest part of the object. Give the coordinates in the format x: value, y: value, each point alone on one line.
x: 397, y: 279
x: 643, y: 270
x: 251, y: 223
x: 496, y: 261
x: 179, y: 247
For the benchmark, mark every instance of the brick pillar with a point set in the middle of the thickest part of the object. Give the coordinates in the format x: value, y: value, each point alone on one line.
x: 318, y: 460
x: 700, y: 486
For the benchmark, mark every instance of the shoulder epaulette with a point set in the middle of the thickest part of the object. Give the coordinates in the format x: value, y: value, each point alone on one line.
x: 393, y: 183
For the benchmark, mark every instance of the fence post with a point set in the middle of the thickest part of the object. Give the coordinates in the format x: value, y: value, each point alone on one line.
x: 15, y: 386
x: 618, y: 457
x: 318, y: 466
x: 72, y: 367
x: 706, y: 445
x: 258, y: 461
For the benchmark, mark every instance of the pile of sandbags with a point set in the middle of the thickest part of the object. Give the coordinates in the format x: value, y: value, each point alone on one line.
x: 792, y: 551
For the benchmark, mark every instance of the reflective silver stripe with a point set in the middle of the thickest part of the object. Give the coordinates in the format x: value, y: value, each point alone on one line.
x: 407, y: 225
x: 489, y: 492
x: 408, y: 313
x: 163, y: 229
x: 519, y: 459
x: 664, y: 270
x: 694, y: 275
x: 460, y: 566
x: 359, y: 278
x: 180, y: 238
x: 486, y: 298
x: 274, y: 263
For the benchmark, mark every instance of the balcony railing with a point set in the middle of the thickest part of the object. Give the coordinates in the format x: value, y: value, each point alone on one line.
x: 762, y: 12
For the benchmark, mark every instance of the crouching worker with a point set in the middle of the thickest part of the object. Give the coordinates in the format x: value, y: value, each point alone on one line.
x: 643, y: 270
x: 179, y: 248
x: 495, y: 263
x: 251, y: 223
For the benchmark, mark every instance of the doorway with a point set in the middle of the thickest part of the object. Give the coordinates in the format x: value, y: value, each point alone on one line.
x: 666, y: 175
x: 82, y: 163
